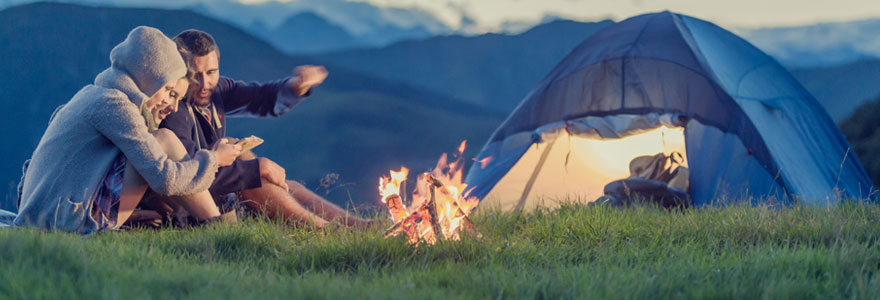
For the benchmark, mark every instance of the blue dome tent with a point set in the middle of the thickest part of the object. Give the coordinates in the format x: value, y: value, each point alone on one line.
x: 667, y: 82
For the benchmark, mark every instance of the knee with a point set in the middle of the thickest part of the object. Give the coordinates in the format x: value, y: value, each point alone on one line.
x: 247, y: 155
x: 170, y: 144
x: 294, y: 185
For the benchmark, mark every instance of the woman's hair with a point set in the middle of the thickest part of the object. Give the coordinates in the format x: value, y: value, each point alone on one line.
x: 187, y: 57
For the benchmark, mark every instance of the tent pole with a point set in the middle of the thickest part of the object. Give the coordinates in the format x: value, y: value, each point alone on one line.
x: 528, y: 188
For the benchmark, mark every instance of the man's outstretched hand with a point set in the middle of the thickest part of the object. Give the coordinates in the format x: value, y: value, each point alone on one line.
x: 273, y: 173
x: 305, y: 77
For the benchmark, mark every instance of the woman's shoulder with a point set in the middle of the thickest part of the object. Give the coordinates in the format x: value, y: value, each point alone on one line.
x: 100, y: 102
x: 96, y: 97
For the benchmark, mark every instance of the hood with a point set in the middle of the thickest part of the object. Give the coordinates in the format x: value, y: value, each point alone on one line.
x: 142, y: 64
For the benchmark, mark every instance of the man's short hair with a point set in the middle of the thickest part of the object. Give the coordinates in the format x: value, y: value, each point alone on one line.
x: 199, y: 43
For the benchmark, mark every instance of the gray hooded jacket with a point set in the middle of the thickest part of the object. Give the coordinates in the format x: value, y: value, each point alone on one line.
x: 101, y: 121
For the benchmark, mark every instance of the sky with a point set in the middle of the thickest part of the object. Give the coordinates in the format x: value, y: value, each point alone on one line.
x: 736, y: 13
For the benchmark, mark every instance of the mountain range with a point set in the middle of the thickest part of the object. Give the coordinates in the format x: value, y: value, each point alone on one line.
x: 818, y: 45
x: 494, y: 71
x: 307, y: 33
x: 355, y: 125
x: 368, y: 25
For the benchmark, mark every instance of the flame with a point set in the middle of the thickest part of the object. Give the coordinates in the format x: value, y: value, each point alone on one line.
x: 426, y: 220
x: 389, y: 188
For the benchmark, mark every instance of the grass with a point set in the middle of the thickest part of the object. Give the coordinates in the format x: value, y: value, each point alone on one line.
x: 574, y: 252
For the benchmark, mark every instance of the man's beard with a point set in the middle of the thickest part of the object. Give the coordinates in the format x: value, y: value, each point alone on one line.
x: 200, y: 102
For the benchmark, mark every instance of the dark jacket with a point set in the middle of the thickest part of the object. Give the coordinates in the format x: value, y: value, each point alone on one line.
x: 230, y: 98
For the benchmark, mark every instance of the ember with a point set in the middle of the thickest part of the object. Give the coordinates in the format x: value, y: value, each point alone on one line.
x: 440, y: 205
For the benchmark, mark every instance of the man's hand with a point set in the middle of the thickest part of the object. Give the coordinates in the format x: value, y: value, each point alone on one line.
x: 273, y: 173
x: 305, y: 77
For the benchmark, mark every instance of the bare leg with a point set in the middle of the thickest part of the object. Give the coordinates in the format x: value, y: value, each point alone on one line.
x: 278, y: 204
x: 321, y: 206
x: 133, y: 189
x: 200, y: 205
x: 299, y: 203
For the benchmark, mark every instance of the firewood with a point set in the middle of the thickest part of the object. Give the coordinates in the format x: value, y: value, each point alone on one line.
x: 433, y: 180
x: 396, y: 208
x: 432, y: 211
x: 403, y: 198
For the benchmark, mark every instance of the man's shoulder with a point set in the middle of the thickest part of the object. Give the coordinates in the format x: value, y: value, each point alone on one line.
x: 225, y: 83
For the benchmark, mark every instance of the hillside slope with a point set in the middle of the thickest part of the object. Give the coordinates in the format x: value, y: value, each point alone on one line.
x: 862, y: 129
x: 841, y: 89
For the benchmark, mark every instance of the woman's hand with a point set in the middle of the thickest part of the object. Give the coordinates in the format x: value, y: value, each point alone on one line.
x: 226, y: 152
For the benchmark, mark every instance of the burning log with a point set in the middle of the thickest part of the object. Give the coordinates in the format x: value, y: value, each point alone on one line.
x: 396, y: 207
x: 431, y: 206
x: 408, y: 226
x: 466, y: 222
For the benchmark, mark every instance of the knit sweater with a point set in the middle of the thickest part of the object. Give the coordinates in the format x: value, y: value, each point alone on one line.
x: 101, y: 122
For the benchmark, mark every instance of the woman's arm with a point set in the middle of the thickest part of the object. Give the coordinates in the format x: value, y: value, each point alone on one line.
x: 119, y: 120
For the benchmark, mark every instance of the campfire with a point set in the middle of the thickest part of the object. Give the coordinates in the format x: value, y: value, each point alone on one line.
x: 440, y: 203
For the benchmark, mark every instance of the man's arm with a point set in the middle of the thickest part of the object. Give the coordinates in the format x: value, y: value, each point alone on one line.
x: 254, y: 99
x: 270, y: 99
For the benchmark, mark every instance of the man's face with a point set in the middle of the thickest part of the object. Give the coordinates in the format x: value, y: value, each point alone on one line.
x: 207, y: 73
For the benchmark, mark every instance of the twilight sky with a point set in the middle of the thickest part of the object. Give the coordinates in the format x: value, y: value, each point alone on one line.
x: 738, y: 13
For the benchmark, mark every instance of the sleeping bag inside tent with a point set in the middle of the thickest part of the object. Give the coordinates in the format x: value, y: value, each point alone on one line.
x: 741, y: 127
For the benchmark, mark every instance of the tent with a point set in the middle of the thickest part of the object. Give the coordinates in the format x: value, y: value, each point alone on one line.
x: 665, y: 82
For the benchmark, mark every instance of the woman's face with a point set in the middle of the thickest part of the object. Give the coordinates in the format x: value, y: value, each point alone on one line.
x: 165, y: 101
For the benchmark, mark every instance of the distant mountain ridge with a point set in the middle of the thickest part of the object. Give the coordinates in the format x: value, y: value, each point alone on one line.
x: 371, y: 25
x: 494, y: 71
x: 307, y: 33
x: 819, y: 45
x: 354, y: 125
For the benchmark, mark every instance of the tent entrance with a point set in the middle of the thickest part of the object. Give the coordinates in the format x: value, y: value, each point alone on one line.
x: 576, y: 169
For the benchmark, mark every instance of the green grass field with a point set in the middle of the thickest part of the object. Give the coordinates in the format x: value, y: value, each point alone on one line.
x: 574, y: 252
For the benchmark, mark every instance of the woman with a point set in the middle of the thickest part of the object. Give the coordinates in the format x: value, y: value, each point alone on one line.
x: 98, y: 155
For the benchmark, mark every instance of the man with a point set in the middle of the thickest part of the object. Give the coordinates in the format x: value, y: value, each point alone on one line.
x: 200, y: 121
